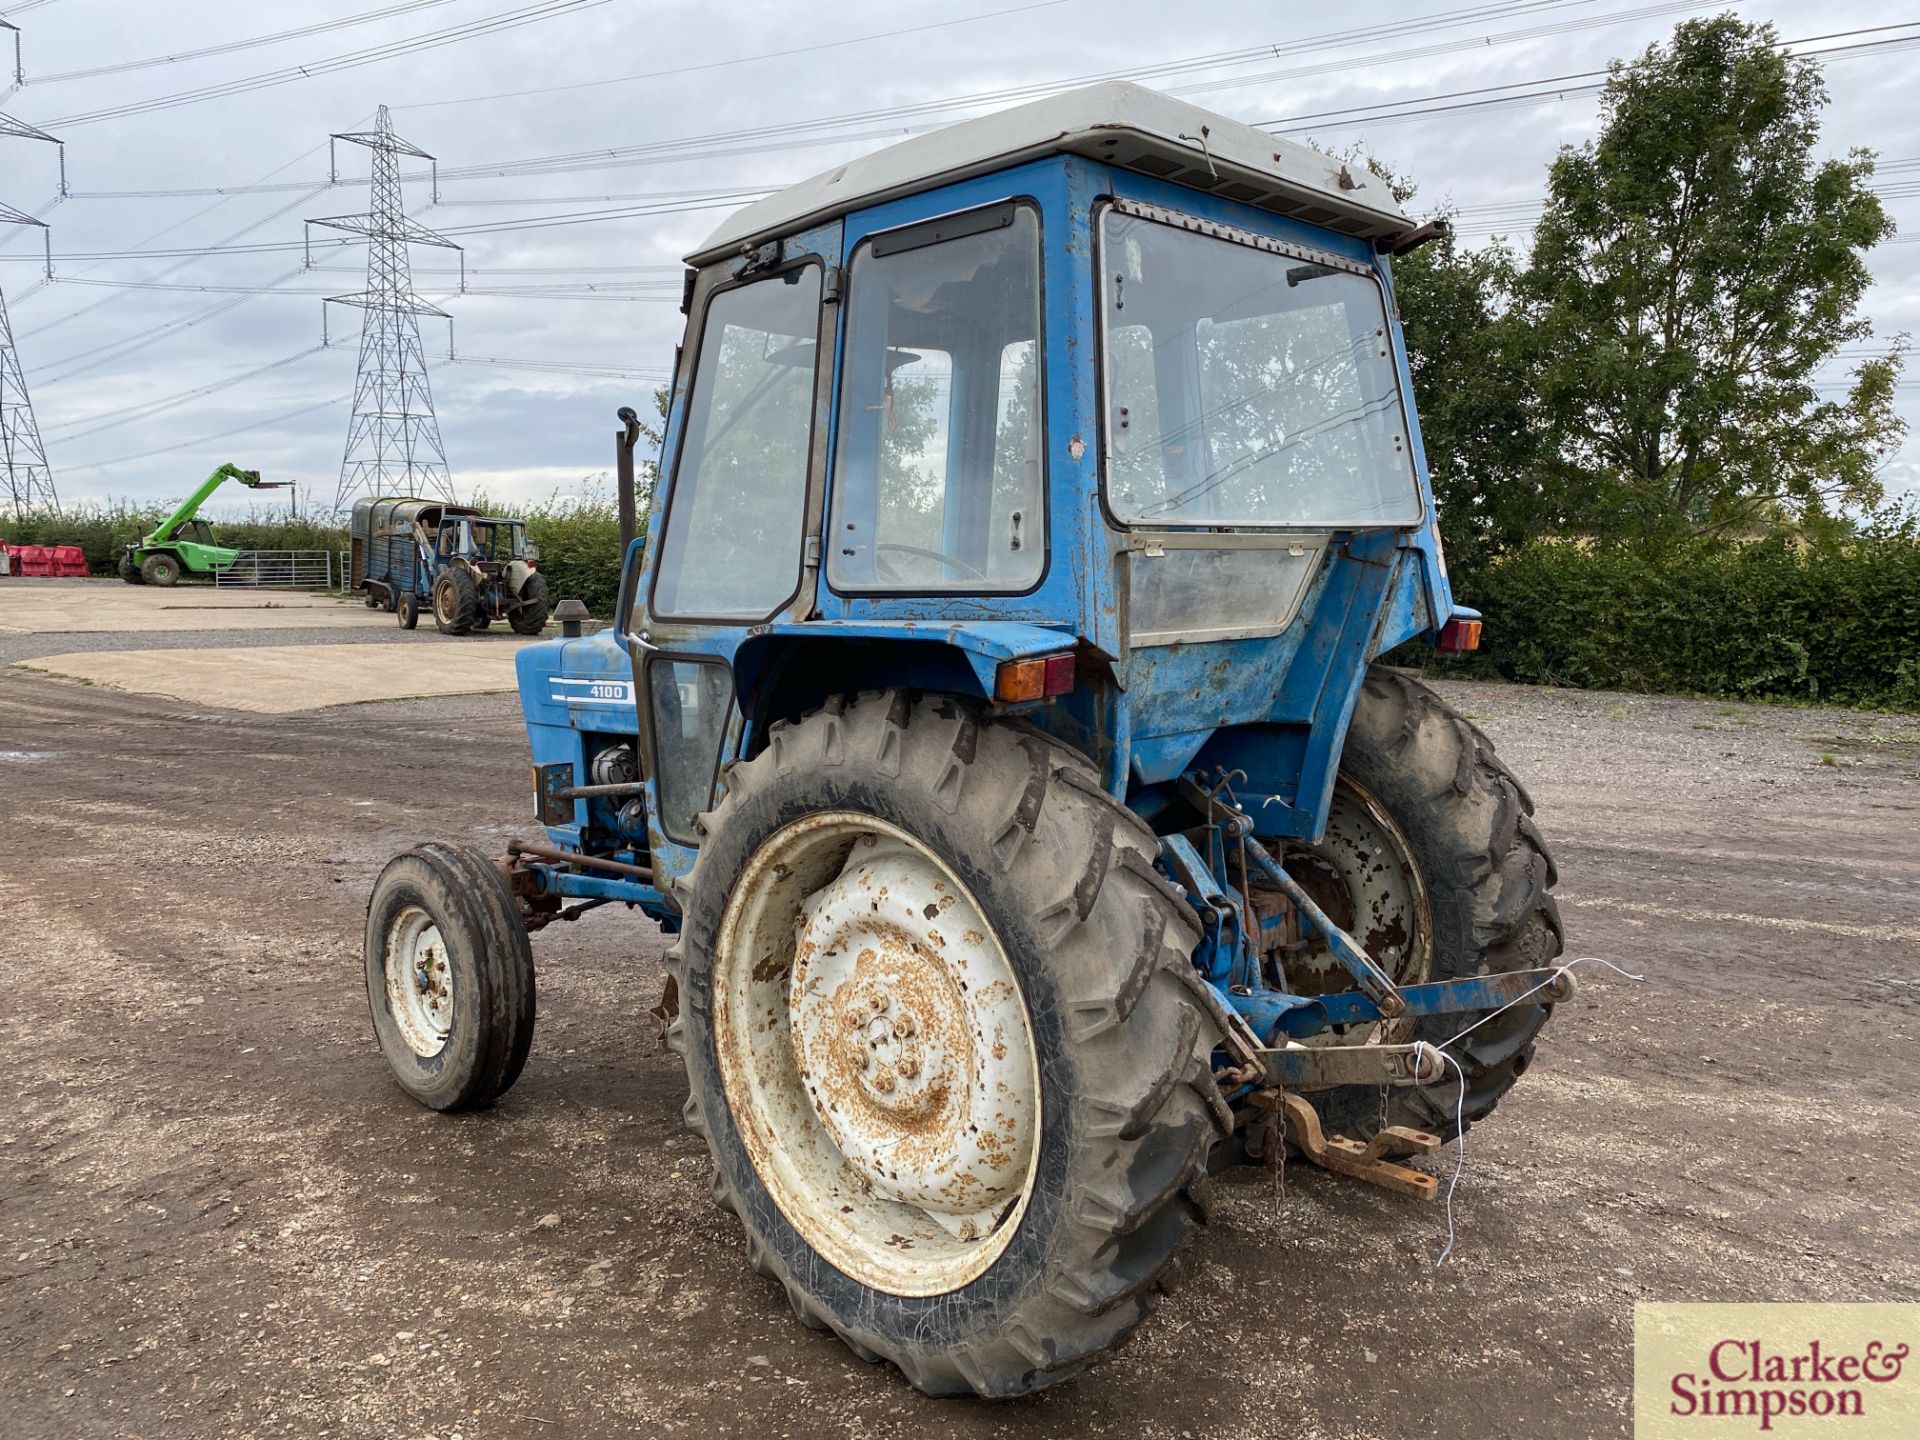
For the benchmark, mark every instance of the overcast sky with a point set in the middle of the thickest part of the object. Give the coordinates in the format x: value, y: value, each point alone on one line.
x: 95, y: 352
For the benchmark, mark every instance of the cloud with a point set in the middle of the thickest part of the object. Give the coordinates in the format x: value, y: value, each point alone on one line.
x: 531, y: 434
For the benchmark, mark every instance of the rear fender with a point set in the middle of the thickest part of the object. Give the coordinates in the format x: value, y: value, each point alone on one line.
x: 784, y: 671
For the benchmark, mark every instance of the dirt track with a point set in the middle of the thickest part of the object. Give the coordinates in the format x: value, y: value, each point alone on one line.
x: 218, y: 1217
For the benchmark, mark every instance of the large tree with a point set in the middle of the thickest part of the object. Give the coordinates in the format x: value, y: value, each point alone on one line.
x: 1696, y: 267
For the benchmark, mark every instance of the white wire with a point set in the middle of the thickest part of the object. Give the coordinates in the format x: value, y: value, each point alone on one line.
x: 1460, y: 1105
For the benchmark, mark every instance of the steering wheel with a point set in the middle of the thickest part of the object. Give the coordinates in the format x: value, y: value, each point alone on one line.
x: 924, y: 554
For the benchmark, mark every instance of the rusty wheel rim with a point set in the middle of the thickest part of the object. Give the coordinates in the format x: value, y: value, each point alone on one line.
x: 1363, y: 874
x: 419, y: 978
x: 876, y: 1054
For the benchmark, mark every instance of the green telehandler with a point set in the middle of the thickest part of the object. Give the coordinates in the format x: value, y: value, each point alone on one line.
x: 184, y: 544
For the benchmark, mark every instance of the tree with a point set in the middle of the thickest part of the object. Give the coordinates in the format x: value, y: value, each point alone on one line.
x: 1695, y: 267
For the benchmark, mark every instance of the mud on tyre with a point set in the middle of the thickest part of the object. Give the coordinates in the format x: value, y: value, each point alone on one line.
x: 1487, y: 875
x: 1018, y: 830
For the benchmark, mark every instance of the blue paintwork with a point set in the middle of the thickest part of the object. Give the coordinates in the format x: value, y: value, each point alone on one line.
x: 1275, y: 708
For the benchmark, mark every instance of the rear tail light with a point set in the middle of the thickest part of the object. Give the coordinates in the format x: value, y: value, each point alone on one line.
x: 1016, y: 681
x: 1458, y: 636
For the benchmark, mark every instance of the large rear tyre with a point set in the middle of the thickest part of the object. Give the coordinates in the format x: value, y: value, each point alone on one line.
x: 529, y: 617
x: 1479, y: 900
x: 942, y: 1040
x: 449, y: 976
x: 456, y: 602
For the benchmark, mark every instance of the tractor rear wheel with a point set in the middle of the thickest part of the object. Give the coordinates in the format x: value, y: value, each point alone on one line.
x: 1464, y: 890
x: 160, y: 568
x: 529, y: 617
x: 449, y: 977
x: 942, y: 1040
x: 456, y: 602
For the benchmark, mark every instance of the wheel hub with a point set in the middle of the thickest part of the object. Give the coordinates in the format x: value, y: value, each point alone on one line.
x: 874, y: 1046
x: 419, y: 978
x: 911, y: 1049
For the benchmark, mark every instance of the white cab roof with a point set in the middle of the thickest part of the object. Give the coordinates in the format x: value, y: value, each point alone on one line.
x: 1117, y: 123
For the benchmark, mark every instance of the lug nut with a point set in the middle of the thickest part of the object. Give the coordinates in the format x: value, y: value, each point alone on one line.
x: 908, y: 1067
x: 903, y: 1026
x: 883, y: 1079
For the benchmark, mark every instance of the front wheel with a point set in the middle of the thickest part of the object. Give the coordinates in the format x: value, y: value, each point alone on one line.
x: 449, y: 977
x: 942, y: 1040
x: 160, y: 568
x: 409, y: 610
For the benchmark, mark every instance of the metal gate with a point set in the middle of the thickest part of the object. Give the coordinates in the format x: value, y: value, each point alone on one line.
x: 278, y: 570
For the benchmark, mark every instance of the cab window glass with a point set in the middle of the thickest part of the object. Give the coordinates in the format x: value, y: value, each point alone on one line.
x: 938, y: 467
x: 733, y: 538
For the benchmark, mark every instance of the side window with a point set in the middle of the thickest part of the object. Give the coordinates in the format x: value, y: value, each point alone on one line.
x: 690, y: 699
x: 938, y: 477
x: 733, y: 538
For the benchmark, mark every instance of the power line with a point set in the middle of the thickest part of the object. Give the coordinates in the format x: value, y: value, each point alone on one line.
x: 253, y: 42
x: 799, y: 134
x: 151, y: 409
x: 204, y: 440
x: 678, y: 70
x: 433, y: 40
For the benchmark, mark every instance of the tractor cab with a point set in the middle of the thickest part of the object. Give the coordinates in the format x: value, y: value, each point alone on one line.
x: 992, y: 715
x: 1094, y: 409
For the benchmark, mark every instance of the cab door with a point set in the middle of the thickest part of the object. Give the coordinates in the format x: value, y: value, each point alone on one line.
x: 734, y: 529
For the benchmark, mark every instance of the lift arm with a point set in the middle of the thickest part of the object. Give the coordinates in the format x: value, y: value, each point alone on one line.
x: 191, y: 505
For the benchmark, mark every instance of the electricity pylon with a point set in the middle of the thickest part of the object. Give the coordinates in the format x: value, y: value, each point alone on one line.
x: 23, y: 458
x: 393, y: 440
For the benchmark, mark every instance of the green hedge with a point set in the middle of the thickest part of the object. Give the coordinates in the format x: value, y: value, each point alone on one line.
x: 1837, y: 622
x: 579, y: 540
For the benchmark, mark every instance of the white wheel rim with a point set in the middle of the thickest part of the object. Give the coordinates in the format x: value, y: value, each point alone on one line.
x: 876, y: 1054
x: 419, y: 982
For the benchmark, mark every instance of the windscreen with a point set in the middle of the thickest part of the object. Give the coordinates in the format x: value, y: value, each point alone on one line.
x: 1246, y: 387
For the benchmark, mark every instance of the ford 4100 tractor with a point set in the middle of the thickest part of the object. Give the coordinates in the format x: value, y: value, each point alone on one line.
x: 992, y: 716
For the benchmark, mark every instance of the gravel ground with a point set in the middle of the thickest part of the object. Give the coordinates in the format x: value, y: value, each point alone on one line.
x: 218, y: 1217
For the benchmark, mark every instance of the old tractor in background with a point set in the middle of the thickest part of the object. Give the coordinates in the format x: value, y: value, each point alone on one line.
x: 992, y: 716
x: 183, y: 544
x: 468, y: 567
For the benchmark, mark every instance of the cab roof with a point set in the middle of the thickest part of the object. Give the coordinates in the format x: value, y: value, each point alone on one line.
x: 1116, y: 123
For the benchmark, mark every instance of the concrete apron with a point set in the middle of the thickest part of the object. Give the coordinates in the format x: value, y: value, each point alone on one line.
x: 284, y: 679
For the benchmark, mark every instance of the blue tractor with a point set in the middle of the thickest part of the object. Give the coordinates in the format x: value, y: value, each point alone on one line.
x: 992, y: 715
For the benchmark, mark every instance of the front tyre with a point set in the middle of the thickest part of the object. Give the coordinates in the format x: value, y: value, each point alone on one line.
x: 449, y: 977
x: 941, y: 1038
x: 160, y: 568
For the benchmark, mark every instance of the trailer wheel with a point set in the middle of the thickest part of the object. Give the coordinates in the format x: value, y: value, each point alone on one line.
x: 449, y: 976
x: 942, y: 1041
x: 128, y: 571
x: 409, y: 610
x: 456, y: 602
x: 1463, y: 829
x: 161, y: 568
x: 530, y: 616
